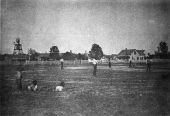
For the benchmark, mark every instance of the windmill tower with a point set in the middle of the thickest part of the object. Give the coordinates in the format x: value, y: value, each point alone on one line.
x: 17, y: 47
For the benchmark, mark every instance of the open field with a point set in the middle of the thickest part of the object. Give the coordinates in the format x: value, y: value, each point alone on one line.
x: 119, y: 91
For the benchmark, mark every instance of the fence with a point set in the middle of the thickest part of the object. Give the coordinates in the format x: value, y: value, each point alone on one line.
x: 75, y: 62
x: 66, y: 62
x: 161, y: 60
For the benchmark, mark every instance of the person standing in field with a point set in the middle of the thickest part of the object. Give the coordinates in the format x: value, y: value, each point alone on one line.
x: 130, y: 64
x: 95, y: 66
x: 110, y: 63
x: 148, y: 65
x: 62, y: 63
x: 19, y: 80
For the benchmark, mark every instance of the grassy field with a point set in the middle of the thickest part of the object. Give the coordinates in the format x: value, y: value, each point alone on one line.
x: 119, y: 91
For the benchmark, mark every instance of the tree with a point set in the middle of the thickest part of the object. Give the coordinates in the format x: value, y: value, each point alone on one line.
x: 54, y: 53
x: 68, y: 56
x: 33, y: 54
x: 96, y: 52
x: 163, y: 49
x: 79, y: 56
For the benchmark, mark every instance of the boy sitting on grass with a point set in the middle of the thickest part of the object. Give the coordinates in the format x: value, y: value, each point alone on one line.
x: 60, y: 86
x: 33, y: 86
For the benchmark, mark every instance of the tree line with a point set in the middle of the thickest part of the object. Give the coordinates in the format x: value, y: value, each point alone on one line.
x: 54, y: 54
x: 95, y: 52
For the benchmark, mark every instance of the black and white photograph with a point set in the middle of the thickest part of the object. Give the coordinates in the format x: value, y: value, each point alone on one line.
x: 85, y: 58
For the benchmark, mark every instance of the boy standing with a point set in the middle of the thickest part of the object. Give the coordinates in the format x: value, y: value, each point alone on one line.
x: 62, y: 63
x: 148, y: 65
x: 130, y: 63
x: 95, y: 66
x: 110, y: 63
x: 19, y: 80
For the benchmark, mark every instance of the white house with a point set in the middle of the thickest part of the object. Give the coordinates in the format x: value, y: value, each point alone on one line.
x: 137, y: 56
x: 133, y: 55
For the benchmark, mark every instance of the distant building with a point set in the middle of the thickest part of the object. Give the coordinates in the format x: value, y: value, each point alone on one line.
x: 132, y: 54
x: 20, y: 57
x: 105, y: 58
x: 43, y: 56
x: 69, y: 56
x: 113, y: 56
x: 8, y: 57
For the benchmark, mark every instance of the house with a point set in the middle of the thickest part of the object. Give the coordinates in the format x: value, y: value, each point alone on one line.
x: 69, y: 56
x: 113, y: 56
x: 15, y: 59
x: 104, y: 59
x: 8, y: 57
x: 43, y: 56
x: 132, y: 54
x: 19, y: 58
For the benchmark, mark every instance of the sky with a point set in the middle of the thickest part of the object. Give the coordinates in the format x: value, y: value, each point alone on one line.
x: 77, y: 24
